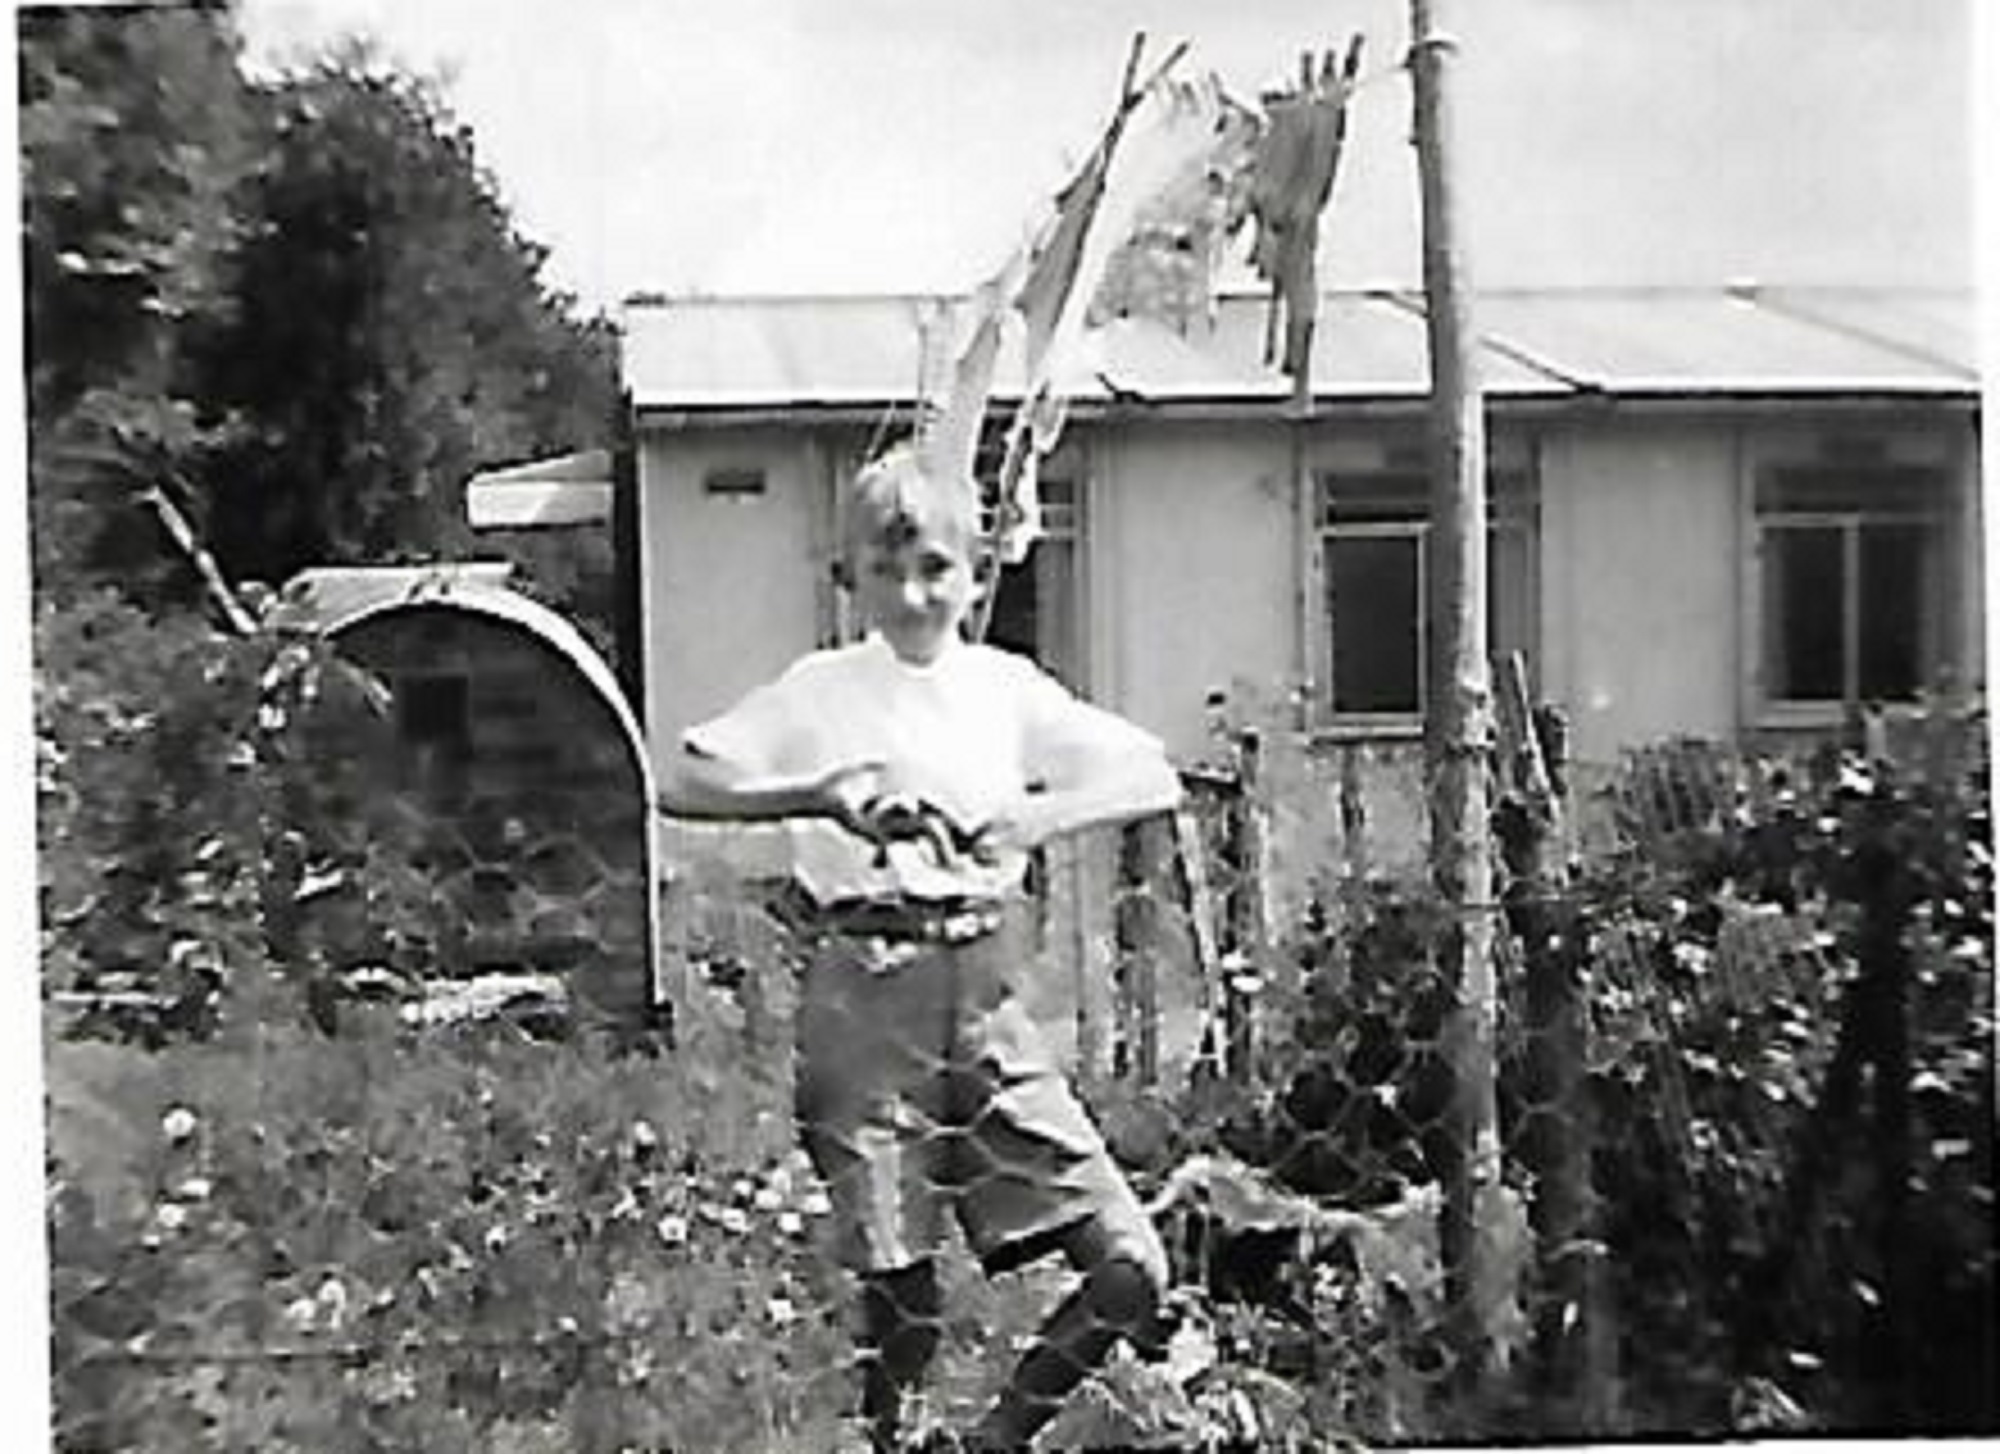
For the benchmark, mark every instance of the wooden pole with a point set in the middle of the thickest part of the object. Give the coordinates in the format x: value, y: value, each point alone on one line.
x: 1458, y: 716
x: 1572, y: 1344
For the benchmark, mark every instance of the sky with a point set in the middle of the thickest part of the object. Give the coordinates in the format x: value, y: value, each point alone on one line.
x: 781, y: 146
x: 736, y: 146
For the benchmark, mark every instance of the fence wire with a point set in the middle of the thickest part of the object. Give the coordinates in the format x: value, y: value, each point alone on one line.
x: 1727, y: 1199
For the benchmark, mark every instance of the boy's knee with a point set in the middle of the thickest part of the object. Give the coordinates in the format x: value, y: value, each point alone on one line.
x: 1130, y: 1277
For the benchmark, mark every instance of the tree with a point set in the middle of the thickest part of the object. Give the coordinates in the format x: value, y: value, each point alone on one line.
x: 136, y: 134
x: 393, y: 334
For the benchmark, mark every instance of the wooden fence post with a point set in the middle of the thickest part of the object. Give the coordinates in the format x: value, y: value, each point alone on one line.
x: 1571, y: 1340
x: 1246, y: 901
x: 1148, y: 849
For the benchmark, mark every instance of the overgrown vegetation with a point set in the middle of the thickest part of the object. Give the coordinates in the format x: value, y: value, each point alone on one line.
x: 283, y: 1221
x: 488, y: 1240
x: 287, y: 1242
x: 1794, y: 1061
x: 1787, y: 973
x: 295, y: 307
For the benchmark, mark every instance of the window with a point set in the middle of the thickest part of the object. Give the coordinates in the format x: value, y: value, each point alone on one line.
x: 1374, y: 540
x: 1854, y: 582
x: 1038, y: 606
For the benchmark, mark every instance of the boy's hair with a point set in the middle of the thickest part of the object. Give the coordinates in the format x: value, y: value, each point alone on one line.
x: 895, y: 496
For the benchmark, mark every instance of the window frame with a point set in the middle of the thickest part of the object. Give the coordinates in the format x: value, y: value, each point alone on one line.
x: 1513, y: 509
x: 1938, y: 626
x: 1065, y: 524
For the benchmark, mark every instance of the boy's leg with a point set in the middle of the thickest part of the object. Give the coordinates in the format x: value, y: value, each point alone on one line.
x: 1124, y: 1271
x: 1034, y: 1175
x: 869, y: 1096
x: 899, y: 1336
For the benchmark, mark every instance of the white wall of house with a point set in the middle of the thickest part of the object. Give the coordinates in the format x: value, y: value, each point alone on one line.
x: 1192, y: 580
x: 1194, y: 568
x: 729, y: 582
x: 1640, y: 579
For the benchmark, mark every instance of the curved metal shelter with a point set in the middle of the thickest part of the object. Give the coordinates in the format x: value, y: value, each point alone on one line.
x: 340, y: 602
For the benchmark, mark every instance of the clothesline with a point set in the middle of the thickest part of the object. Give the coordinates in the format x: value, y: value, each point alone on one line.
x: 891, y: 411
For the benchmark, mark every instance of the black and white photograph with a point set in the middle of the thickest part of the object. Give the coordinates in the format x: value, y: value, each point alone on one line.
x: 938, y: 726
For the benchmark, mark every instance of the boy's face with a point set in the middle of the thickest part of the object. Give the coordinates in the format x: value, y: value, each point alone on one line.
x: 913, y: 582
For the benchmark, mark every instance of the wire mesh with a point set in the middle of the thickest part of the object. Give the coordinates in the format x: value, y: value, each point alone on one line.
x: 518, y: 1233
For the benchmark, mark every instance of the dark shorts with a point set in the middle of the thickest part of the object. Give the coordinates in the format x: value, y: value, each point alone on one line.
x: 925, y: 1091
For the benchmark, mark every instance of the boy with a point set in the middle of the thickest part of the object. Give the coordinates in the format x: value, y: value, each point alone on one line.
x: 917, y: 770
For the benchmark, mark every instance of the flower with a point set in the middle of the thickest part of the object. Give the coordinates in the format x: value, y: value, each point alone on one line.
x: 781, y: 1311
x: 179, y: 1124
x: 332, y: 1296
x: 672, y: 1229
x: 816, y: 1203
x: 791, y: 1223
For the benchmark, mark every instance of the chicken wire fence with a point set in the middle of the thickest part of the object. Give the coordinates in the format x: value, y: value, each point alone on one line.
x: 501, y: 1228
x: 1715, y: 1056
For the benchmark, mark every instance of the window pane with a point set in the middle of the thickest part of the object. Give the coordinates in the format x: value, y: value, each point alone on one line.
x: 1058, y: 633
x: 1894, y: 587
x: 1016, y: 620
x: 1373, y: 598
x: 1036, y: 610
x: 1804, y: 611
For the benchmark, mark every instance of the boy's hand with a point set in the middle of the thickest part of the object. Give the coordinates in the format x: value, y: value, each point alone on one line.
x: 853, y: 796
x: 902, y: 817
x: 843, y: 794
x: 1008, y: 830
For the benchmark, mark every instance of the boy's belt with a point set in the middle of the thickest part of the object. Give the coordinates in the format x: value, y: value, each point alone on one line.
x: 906, y: 920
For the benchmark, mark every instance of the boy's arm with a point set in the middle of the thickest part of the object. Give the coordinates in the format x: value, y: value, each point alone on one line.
x: 1086, y: 767
x: 698, y: 785
x: 1115, y: 788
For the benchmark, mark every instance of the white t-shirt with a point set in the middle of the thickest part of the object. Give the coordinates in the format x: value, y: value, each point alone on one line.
x: 969, y: 732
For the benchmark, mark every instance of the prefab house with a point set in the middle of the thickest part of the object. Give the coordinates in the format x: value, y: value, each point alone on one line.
x: 1723, y: 511
x: 1729, y: 513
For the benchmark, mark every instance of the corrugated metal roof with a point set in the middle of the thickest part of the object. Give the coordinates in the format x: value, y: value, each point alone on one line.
x: 328, y: 599
x: 721, y: 353
x: 324, y: 597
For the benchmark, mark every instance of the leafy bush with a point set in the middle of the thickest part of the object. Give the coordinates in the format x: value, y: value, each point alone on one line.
x: 474, y: 1243
x: 187, y: 783
x: 283, y: 1239
x: 1752, y: 930
x: 1755, y: 968
x: 148, y: 793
